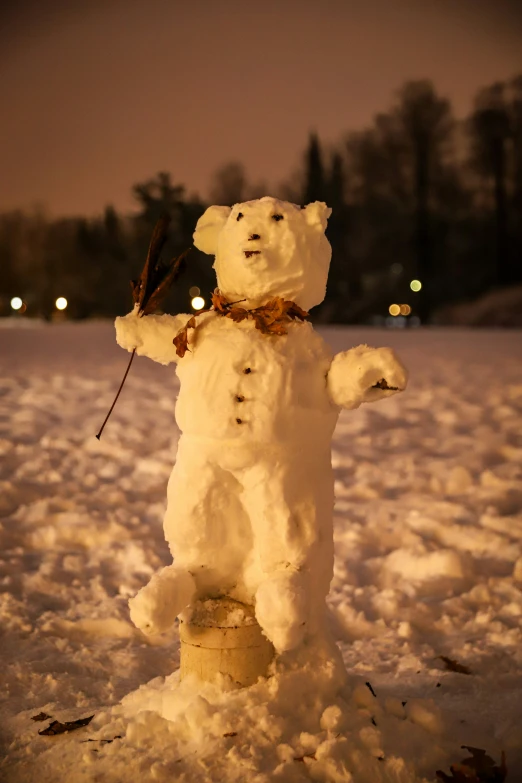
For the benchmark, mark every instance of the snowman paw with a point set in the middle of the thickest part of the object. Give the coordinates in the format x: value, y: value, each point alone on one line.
x: 155, y: 607
x: 282, y: 609
x: 128, y: 330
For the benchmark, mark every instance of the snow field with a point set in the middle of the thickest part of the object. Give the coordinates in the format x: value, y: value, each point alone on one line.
x: 428, y: 529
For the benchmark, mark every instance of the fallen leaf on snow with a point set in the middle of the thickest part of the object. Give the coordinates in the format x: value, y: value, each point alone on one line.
x: 454, y: 666
x: 61, y: 728
x: 478, y: 768
x: 41, y: 716
x: 103, y: 741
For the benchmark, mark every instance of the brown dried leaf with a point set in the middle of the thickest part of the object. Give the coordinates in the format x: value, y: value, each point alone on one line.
x: 61, y: 728
x: 274, y: 328
x: 383, y: 384
x: 230, y: 734
x: 219, y: 303
x: 478, y: 768
x: 454, y: 666
x: 181, y: 342
x: 41, y: 716
x: 238, y: 314
x: 275, y: 308
x: 269, y: 319
x: 294, y: 311
x: 181, y: 339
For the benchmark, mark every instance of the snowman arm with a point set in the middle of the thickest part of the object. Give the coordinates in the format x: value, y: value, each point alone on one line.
x: 151, y: 335
x: 365, y: 374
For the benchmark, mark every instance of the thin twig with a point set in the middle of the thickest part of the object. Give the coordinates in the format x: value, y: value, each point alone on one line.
x: 117, y: 394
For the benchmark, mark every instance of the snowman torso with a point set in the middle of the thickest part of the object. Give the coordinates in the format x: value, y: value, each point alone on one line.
x: 238, y: 384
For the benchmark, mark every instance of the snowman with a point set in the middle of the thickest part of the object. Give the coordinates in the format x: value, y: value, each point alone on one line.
x: 250, y: 498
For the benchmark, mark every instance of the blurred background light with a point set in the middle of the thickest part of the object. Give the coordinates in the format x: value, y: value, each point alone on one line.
x: 415, y: 285
x: 198, y: 303
x: 194, y: 291
x: 16, y: 303
x: 405, y: 309
x: 394, y: 309
x: 61, y: 303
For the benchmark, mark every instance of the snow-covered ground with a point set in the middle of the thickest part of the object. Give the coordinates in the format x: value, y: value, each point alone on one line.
x: 428, y: 537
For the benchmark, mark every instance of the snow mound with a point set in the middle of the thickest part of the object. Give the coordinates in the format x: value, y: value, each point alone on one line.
x: 428, y: 534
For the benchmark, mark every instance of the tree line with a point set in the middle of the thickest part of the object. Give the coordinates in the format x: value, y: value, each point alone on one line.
x: 418, y: 195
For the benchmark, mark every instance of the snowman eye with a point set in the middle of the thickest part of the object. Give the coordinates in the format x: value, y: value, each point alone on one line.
x: 239, y: 215
x: 277, y: 217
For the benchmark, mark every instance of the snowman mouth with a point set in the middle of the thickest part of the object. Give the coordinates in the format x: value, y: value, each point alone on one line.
x: 249, y: 253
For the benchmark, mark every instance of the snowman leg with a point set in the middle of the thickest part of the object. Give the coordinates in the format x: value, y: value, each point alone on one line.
x: 205, y: 524
x: 191, y: 530
x: 155, y: 607
x: 282, y: 608
x: 290, y: 504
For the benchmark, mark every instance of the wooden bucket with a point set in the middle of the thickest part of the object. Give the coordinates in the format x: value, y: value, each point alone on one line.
x: 224, y: 637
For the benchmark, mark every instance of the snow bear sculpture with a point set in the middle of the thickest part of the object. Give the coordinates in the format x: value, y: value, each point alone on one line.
x: 250, y: 498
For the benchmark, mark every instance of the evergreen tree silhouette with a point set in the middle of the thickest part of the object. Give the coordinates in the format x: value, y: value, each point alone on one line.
x: 314, y: 187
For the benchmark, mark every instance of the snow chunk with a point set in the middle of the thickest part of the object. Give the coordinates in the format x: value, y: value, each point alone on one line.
x: 422, y: 566
x: 459, y: 481
x: 426, y: 714
x: 331, y: 719
x: 221, y: 613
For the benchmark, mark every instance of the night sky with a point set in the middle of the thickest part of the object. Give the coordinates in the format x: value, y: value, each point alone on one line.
x: 97, y: 95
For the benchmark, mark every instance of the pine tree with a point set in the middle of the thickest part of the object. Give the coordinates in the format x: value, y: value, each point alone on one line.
x: 314, y: 186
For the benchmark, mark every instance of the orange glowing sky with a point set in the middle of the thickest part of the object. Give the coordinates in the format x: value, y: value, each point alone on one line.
x: 99, y: 94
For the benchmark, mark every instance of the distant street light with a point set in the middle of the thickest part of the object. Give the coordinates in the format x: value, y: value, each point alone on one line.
x: 415, y: 285
x: 16, y: 303
x: 198, y: 303
x: 61, y: 303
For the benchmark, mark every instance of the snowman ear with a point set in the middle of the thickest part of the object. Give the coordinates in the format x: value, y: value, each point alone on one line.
x: 208, y: 228
x: 317, y: 214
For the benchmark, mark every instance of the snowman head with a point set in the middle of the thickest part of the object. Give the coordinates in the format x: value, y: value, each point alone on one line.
x: 266, y: 248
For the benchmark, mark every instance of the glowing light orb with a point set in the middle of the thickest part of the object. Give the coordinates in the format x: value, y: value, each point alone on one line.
x: 61, y: 303
x: 16, y: 303
x: 415, y: 285
x: 198, y: 303
x: 194, y: 291
x: 394, y: 309
x: 405, y: 309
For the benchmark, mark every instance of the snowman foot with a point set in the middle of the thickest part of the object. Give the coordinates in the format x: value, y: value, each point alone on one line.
x: 282, y: 609
x: 155, y: 607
